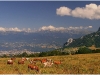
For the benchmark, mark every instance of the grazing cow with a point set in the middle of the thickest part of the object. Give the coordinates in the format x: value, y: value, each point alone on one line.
x: 23, y: 58
x: 57, y: 62
x: 48, y: 64
x: 43, y: 60
x: 32, y: 62
x: 10, y: 62
x: 20, y: 61
x: 49, y: 60
x: 33, y: 67
x: 27, y: 58
x: 36, y: 59
x: 13, y: 58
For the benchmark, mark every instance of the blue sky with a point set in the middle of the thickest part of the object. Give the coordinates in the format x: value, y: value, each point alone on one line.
x: 36, y: 14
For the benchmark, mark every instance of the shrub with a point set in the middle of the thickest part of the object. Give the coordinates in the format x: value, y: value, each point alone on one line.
x: 84, y: 50
x: 96, y: 51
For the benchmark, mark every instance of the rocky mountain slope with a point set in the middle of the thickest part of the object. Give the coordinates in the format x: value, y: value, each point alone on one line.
x: 87, y: 40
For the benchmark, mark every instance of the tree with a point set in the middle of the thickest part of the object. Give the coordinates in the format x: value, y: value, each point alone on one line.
x: 4, y: 56
x: 42, y: 54
x: 84, y: 50
x: 24, y: 54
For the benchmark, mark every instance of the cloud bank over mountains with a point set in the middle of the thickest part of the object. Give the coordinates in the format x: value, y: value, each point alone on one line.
x: 14, y: 29
x: 90, y: 11
x: 44, y: 28
x: 52, y: 28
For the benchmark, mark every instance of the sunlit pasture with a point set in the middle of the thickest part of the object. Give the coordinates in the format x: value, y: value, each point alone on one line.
x: 71, y: 64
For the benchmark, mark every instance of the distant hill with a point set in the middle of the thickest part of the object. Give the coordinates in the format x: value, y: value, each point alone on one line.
x: 37, y: 41
x: 87, y: 40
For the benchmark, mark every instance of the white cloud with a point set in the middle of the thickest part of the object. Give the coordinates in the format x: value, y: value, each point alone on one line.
x: 90, y: 11
x: 52, y: 28
x: 2, y: 29
x: 80, y: 27
x: 71, y: 28
x: 63, y: 11
x: 90, y: 26
x: 91, y: 6
x: 14, y: 29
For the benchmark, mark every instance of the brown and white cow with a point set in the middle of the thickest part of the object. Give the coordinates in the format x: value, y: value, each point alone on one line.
x: 43, y: 60
x: 9, y: 61
x: 33, y: 67
x: 48, y: 64
x: 20, y: 61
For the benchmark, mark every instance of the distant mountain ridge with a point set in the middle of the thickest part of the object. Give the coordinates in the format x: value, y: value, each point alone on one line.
x: 87, y: 40
x: 37, y: 41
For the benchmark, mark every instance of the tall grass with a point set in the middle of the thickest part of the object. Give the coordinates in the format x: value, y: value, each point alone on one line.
x: 71, y: 64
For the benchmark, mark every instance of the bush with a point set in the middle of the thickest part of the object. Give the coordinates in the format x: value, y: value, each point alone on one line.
x: 84, y: 50
x: 96, y: 51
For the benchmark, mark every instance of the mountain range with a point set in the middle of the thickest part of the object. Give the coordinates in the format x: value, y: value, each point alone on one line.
x: 39, y: 41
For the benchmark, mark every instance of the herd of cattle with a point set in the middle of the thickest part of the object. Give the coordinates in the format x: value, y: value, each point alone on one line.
x: 46, y: 62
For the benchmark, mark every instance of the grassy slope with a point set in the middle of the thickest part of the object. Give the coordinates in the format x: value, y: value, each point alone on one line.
x: 71, y: 64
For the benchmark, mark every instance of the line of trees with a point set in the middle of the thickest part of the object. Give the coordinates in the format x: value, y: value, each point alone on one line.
x: 81, y: 50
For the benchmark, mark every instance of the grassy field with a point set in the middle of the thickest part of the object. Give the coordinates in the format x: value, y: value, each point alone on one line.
x: 71, y: 64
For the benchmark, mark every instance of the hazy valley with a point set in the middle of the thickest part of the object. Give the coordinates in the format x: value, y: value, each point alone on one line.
x: 37, y: 41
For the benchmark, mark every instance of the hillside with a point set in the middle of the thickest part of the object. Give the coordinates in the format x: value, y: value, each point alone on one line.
x: 87, y: 40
